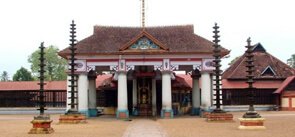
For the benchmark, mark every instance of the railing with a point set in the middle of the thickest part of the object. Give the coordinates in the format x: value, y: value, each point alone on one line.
x: 239, y: 97
x: 29, y: 98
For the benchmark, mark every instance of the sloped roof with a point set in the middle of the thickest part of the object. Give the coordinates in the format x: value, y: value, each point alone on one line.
x: 187, y: 78
x: 32, y: 85
x: 262, y: 60
x: 105, y: 81
x: 284, y: 84
x: 182, y: 81
x: 109, y: 40
x: 50, y: 85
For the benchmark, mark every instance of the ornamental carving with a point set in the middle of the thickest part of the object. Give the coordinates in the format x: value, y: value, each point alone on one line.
x: 88, y: 68
x: 158, y: 67
x: 144, y: 43
x: 114, y: 68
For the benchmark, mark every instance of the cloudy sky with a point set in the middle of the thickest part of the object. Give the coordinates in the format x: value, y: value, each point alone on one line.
x: 26, y: 23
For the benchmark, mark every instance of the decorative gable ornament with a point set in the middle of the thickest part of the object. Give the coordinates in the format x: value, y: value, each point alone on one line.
x: 144, y: 41
x: 268, y: 71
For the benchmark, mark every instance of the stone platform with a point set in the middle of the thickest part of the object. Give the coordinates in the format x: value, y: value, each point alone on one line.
x: 41, y: 125
x: 72, y: 119
x: 252, y: 123
x: 219, y: 117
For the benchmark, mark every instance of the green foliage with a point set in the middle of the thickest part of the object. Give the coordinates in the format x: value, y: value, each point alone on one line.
x: 291, y: 61
x: 55, y: 66
x: 4, y: 76
x: 22, y: 75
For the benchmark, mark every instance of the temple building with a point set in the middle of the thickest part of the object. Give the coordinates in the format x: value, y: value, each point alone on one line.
x: 143, y: 62
x: 273, y: 81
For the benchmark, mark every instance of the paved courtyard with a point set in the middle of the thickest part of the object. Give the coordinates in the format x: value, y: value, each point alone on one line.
x: 278, y: 124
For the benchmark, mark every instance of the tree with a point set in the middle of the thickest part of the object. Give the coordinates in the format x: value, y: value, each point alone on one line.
x: 4, y: 76
x: 55, y: 65
x: 291, y: 61
x: 234, y: 60
x: 22, y: 75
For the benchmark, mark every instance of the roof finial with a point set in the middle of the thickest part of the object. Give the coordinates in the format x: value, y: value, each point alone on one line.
x: 143, y: 15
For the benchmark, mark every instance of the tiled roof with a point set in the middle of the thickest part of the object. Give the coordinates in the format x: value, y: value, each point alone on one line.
x: 262, y: 60
x: 284, y: 85
x: 187, y: 79
x: 31, y: 85
x: 182, y: 82
x: 234, y: 84
x: 105, y: 81
x: 109, y: 40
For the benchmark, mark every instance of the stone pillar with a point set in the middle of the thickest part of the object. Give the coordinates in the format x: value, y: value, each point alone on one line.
x: 83, y: 94
x: 92, y: 94
x: 122, y: 110
x: 166, y: 95
x: 206, y: 91
x: 134, y: 97
x: 154, y: 98
x: 196, y: 95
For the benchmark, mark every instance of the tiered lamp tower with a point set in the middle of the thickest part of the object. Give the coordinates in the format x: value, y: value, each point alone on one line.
x: 41, y: 123
x: 251, y: 119
x: 72, y: 115
x: 218, y: 114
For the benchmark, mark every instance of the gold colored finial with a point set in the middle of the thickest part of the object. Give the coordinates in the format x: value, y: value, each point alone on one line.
x: 143, y: 15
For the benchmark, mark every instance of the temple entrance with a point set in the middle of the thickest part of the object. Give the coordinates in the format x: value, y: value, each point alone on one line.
x: 144, y: 94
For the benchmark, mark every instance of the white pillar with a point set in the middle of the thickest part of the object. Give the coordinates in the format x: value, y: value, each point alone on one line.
x: 83, y: 94
x: 206, y: 91
x: 92, y: 97
x: 122, y: 95
x: 196, y: 96
x: 166, y: 94
x: 154, y: 97
x: 134, y: 92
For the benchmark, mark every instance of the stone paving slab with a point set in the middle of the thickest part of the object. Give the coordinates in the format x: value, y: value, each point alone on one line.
x: 144, y: 128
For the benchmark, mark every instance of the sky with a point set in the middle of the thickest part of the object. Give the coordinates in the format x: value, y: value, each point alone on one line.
x: 25, y: 24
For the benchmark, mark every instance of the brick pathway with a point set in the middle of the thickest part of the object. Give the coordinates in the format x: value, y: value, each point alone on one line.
x: 144, y: 128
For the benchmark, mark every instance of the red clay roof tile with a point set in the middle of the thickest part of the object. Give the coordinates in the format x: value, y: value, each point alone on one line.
x: 284, y: 85
x: 31, y: 85
x: 262, y: 60
x: 109, y: 40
